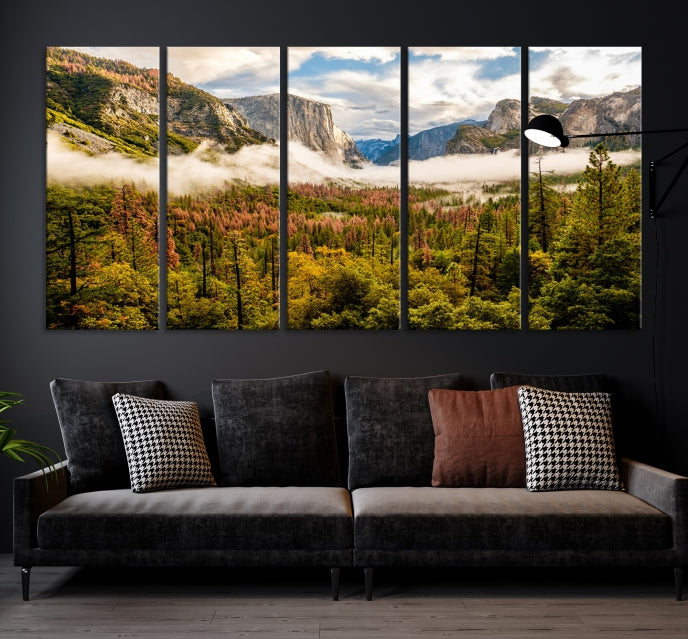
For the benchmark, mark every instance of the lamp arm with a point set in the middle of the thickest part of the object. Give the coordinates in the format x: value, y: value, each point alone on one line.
x: 654, y: 205
x: 606, y: 135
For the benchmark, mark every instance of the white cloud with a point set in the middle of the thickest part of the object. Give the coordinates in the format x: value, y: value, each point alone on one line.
x: 573, y: 160
x: 299, y: 55
x: 227, y: 71
x: 452, y: 89
x: 448, y: 84
x: 65, y: 165
x: 464, y: 54
x: 584, y: 72
x: 210, y: 168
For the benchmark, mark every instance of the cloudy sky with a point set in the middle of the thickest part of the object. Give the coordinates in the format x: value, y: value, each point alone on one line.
x: 361, y: 84
x: 583, y: 72
x: 227, y: 72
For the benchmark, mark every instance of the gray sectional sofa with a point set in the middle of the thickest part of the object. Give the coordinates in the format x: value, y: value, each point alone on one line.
x: 280, y: 488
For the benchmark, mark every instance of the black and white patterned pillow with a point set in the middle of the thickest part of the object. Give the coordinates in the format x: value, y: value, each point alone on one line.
x: 164, y: 443
x: 569, y: 440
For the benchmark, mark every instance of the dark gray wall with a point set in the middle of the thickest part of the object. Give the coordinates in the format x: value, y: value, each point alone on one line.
x: 655, y: 425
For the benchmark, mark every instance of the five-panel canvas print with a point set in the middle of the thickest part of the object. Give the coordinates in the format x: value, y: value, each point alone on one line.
x: 258, y: 173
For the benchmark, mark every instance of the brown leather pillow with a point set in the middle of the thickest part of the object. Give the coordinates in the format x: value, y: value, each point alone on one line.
x: 478, y: 438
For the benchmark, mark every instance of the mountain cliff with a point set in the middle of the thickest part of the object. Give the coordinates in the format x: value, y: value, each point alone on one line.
x: 99, y: 105
x: 308, y: 122
x: 615, y: 112
x: 612, y: 113
x: 501, y: 132
x: 193, y: 114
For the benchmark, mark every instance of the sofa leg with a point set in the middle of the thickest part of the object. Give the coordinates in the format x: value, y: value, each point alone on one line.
x: 368, y: 575
x: 25, y: 578
x: 678, y: 583
x: 334, y: 579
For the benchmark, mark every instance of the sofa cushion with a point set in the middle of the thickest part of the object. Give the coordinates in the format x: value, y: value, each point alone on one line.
x: 90, y: 430
x: 277, y: 431
x: 390, y: 432
x: 428, y: 518
x: 201, y: 518
x: 569, y: 440
x: 478, y: 438
x: 164, y: 443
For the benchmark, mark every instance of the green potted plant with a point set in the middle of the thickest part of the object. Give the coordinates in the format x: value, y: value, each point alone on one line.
x: 13, y: 447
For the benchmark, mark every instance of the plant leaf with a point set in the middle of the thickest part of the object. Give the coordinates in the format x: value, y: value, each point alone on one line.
x: 10, y: 453
x: 6, y: 436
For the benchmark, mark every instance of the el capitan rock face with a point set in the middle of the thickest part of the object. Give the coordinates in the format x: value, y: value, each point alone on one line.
x: 308, y: 122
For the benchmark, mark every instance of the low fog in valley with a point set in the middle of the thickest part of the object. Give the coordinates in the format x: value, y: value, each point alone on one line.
x: 209, y: 168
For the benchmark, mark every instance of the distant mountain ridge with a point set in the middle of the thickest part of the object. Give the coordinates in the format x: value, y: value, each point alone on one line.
x: 423, y: 145
x: 99, y: 105
x: 501, y: 131
x: 373, y: 148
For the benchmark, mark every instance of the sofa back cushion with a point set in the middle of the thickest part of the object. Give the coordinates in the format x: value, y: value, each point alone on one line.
x: 585, y: 383
x: 390, y: 432
x: 90, y: 431
x: 578, y: 383
x: 277, y: 431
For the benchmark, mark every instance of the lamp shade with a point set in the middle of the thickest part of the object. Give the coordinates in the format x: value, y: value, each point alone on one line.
x: 546, y: 130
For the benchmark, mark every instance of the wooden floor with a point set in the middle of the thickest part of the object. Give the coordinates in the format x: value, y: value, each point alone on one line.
x: 178, y: 604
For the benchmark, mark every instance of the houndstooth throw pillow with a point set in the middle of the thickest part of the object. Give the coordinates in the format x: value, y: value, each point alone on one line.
x: 164, y: 443
x: 569, y: 440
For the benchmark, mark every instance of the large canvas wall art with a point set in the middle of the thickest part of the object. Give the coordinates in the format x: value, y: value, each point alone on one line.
x: 464, y: 187
x: 223, y: 188
x: 343, y: 207
x: 585, y: 201
x: 102, y: 113
x: 291, y: 158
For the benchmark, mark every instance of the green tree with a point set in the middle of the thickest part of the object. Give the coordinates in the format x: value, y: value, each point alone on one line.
x: 594, y: 278
x: 543, y: 206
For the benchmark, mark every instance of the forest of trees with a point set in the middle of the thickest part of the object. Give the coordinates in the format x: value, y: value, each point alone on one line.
x: 343, y: 251
x: 343, y: 255
x: 464, y: 260
x: 101, y: 257
x: 223, y: 259
x: 584, y: 248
